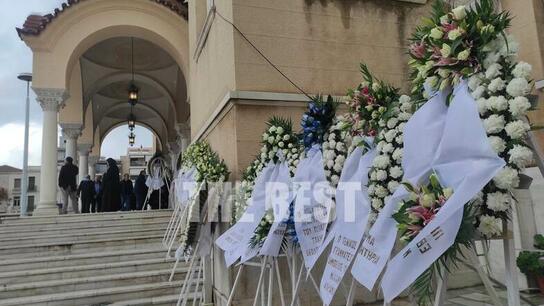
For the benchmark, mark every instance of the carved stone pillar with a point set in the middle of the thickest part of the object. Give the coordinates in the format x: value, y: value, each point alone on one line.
x: 71, y: 132
x: 92, y: 166
x: 51, y: 100
x: 83, y: 150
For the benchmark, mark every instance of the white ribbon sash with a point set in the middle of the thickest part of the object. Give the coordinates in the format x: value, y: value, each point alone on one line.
x: 422, y: 135
x: 312, y: 206
x: 185, y: 185
x: 352, y: 211
x: 465, y: 162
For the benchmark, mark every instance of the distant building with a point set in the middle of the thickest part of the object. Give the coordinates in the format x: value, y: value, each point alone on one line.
x: 136, y: 160
x: 10, y: 181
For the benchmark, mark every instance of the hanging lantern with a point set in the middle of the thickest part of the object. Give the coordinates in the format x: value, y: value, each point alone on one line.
x: 131, y: 139
x: 131, y: 122
x: 132, y: 94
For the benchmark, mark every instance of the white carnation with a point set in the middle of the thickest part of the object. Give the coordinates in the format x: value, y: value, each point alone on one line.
x: 404, y: 116
x: 404, y: 99
x: 381, y: 123
x: 482, y: 105
x: 474, y: 81
x: 493, y: 71
x: 381, y: 161
x: 397, y: 155
x: 497, y: 143
x: 517, y: 129
x: 520, y: 156
x: 337, y: 167
x: 494, y: 124
x: 381, y: 175
x: 507, y: 178
x: 491, y: 58
x: 391, y: 123
x: 340, y: 159
x: 381, y: 191
x: 497, y: 103
x: 376, y: 203
x: 392, y: 186
x: 478, y: 92
x: 478, y: 199
x: 387, y: 148
x: 395, y: 172
x: 335, y: 179
x: 373, y: 176
x: 518, y: 87
x: 522, y: 70
x: 399, y: 139
x: 340, y: 147
x: 496, y: 84
x: 498, y: 201
x: 325, y: 145
x: 490, y: 226
x: 390, y: 135
x: 519, y: 106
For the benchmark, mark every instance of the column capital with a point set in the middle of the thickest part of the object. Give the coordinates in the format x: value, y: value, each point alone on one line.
x: 51, y: 99
x: 183, y: 130
x: 71, y: 130
x: 84, y: 148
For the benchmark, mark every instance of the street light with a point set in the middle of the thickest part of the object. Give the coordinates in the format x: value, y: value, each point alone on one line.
x: 27, y: 77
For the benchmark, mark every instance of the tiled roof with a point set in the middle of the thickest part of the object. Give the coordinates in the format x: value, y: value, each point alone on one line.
x: 35, y: 24
x: 9, y: 169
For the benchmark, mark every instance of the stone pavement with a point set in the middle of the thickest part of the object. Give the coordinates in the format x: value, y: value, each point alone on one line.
x: 476, y: 296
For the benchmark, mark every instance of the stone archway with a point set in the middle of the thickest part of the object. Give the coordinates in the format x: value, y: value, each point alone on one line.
x: 63, y: 42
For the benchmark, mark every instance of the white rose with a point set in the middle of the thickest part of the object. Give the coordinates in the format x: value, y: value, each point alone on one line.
x: 497, y: 103
x: 271, y: 154
x: 496, y: 84
x: 520, y: 156
x: 279, y: 130
x: 522, y: 70
x: 265, y: 136
x: 454, y: 34
x: 507, y: 178
x: 263, y: 155
x: 497, y: 143
x: 498, y: 201
x: 381, y: 175
x: 395, y: 172
x: 490, y: 226
x: 290, y: 145
x: 281, y: 144
x: 286, y: 137
x: 493, y: 71
x: 459, y: 12
x: 494, y: 124
x: 519, y: 106
x: 518, y: 87
x: 478, y: 92
x: 517, y: 129
x: 272, y: 129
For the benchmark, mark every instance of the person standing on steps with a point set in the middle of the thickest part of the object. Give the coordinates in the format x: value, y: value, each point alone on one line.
x: 140, y: 190
x: 126, y: 192
x: 86, y: 192
x: 96, y: 204
x: 68, y: 186
x: 111, y: 190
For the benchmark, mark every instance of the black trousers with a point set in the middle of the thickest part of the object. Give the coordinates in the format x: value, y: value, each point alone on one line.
x: 85, y: 205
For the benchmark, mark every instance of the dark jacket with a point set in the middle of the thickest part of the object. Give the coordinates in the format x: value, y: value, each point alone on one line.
x: 67, y: 176
x: 140, y: 188
x: 126, y: 187
x: 86, y: 190
x: 111, y: 196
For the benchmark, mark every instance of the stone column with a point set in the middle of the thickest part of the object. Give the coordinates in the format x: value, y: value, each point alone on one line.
x: 71, y: 131
x: 92, y: 166
x: 83, y: 150
x: 51, y: 100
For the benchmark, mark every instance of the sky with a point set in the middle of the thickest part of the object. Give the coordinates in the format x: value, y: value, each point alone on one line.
x: 16, y: 57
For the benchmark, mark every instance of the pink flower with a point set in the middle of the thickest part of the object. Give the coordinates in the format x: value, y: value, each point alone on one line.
x: 417, y: 50
x: 446, y: 61
x: 446, y: 27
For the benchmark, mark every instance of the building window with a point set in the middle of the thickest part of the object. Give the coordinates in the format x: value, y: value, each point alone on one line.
x: 32, y: 183
x: 137, y: 162
x: 17, y: 183
x: 16, y: 201
x: 30, y: 203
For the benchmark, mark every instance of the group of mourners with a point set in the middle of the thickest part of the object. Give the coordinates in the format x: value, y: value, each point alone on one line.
x: 105, y: 194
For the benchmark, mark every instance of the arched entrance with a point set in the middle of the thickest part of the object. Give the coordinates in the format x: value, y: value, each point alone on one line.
x: 87, y: 57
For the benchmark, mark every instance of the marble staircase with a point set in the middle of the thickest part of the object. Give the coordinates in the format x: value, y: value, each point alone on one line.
x: 96, y: 259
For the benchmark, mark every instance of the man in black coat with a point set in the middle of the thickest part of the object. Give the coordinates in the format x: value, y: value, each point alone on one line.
x: 140, y: 190
x: 126, y: 192
x: 86, y: 192
x: 68, y: 186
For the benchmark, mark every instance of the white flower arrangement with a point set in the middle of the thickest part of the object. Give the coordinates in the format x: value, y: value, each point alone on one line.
x: 335, y: 150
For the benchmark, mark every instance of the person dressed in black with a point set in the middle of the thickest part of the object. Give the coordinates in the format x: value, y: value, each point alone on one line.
x: 68, y: 186
x: 140, y: 190
x: 86, y: 192
x: 96, y: 204
x: 111, y: 191
x: 126, y: 192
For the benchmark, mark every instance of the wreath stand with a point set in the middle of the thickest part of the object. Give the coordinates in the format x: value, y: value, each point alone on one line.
x: 161, y: 175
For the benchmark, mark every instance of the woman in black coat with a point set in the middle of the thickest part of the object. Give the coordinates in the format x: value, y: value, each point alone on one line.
x: 111, y: 190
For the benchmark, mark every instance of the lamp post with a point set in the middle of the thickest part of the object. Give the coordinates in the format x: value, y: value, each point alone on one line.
x: 27, y: 77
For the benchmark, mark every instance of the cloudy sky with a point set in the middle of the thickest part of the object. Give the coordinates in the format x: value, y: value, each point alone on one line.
x: 15, y: 57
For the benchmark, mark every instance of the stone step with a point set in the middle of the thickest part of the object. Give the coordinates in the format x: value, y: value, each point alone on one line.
x: 75, y: 218
x: 166, y: 300
x: 8, y: 291
x: 95, y: 297
x: 83, y: 227
x: 89, y: 270
x: 43, y: 262
x: 62, y: 238
x: 78, y: 246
